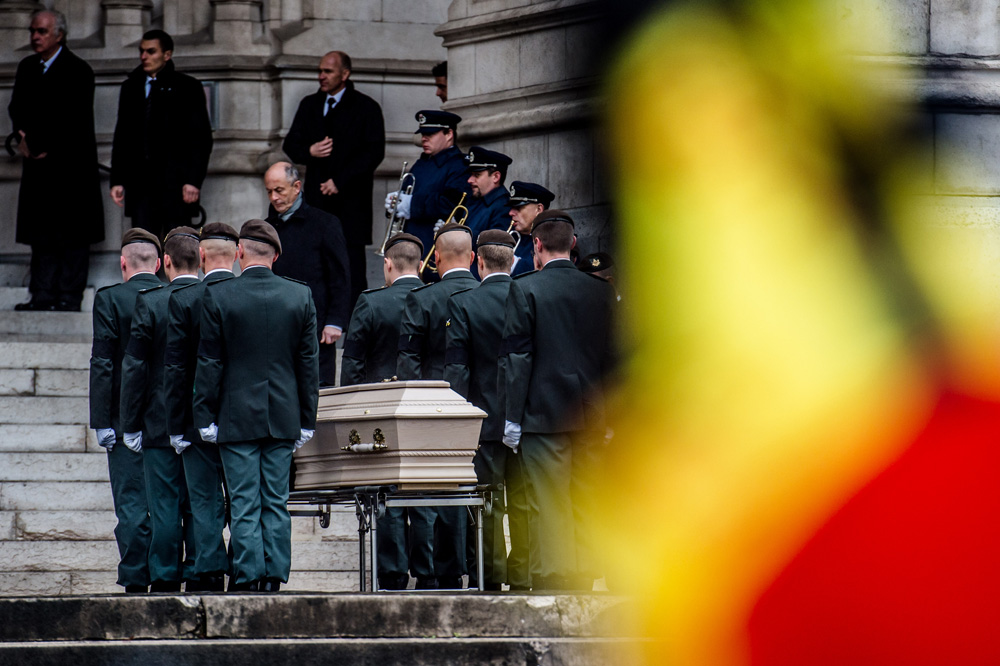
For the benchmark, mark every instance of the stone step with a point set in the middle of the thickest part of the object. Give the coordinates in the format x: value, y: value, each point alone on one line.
x: 322, y: 652
x: 44, y: 410
x: 47, y: 438
x: 11, y: 296
x: 70, y: 324
x: 289, y: 615
x: 65, y: 356
x: 29, y: 381
x: 58, y: 467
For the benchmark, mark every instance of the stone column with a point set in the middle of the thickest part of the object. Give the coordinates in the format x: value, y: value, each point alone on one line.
x: 236, y: 23
x: 125, y: 21
x: 15, y: 17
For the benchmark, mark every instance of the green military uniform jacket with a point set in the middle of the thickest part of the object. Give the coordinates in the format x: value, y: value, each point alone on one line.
x: 183, y: 334
x: 257, y: 375
x: 373, y: 335
x: 422, y: 335
x: 474, y: 335
x: 143, y: 399
x: 558, y: 349
x: 113, y: 308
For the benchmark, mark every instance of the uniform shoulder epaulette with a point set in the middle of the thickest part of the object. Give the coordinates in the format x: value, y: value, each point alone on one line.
x: 423, y: 286
x: 593, y: 275
x: 462, y: 291
x: 523, y: 275
x: 108, y: 286
x: 373, y: 290
x: 289, y: 279
x: 185, y: 286
x: 149, y: 289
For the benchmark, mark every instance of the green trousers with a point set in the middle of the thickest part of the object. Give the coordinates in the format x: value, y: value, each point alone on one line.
x: 490, y: 463
x: 261, y: 528
x: 515, y: 490
x: 128, y: 492
x: 392, y: 558
x: 437, y: 541
x: 164, y: 474
x: 203, y: 475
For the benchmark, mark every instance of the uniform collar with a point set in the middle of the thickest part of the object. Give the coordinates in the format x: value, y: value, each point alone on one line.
x: 494, y: 195
x: 184, y: 279
x: 497, y: 277
x: 145, y: 276
x: 457, y: 273
x: 561, y: 262
x: 407, y: 278
x: 445, y: 155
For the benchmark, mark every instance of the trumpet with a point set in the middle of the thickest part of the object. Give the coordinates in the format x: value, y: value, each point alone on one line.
x: 396, y: 221
x: 517, y: 235
x: 426, y: 263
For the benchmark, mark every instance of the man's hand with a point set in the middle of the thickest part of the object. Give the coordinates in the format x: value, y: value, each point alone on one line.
x: 106, y: 437
x: 22, y: 147
x: 403, y: 208
x: 389, y: 200
x: 328, y: 188
x: 179, y: 443
x: 209, y: 434
x: 118, y: 195
x: 511, y: 435
x: 304, y: 436
x: 330, y: 335
x: 322, y: 148
x: 133, y: 440
x: 190, y: 193
x: 437, y: 226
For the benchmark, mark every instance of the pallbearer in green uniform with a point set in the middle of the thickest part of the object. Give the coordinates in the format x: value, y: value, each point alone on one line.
x: 113, y: 307
x: 370, y: 356
x: 558, y: 349
x: 143, y: 411
x: 437, y: 535
x: 256, y: 392
x: 475, y: 332
x: 202, y: 464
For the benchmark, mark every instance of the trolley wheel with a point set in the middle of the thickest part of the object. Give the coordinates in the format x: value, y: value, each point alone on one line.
x: 488, y: 504
x: 324, y: 519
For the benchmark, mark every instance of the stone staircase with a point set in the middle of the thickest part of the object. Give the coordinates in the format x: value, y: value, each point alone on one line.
x: 56, y: 516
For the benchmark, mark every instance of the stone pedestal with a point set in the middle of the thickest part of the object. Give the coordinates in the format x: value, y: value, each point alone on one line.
x: 125, y: 21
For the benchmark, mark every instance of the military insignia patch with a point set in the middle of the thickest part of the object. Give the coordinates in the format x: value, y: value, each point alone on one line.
x: 595, y: 262
x: 447, y: 323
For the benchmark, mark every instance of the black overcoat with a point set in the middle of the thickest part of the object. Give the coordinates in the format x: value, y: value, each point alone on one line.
x: 60, y: 198
x: 357, y: 129
x: 157, y: 163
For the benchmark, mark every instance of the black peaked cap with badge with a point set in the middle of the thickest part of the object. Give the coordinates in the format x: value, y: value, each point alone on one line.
x: 522, y: 193
x: 261, y: 231
x: 138, y: 235
x: 219, y: 231
x: 431, y: 121
x: 479, y: 158
x: 403, y: 237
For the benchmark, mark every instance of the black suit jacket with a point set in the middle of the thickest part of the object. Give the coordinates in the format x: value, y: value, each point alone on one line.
x: 558, y: 349
x: 475, y: 333
x: 257, y: 376
x: 60, y: 195
x: 313, y: 252
x: 156, y: 158
x: 372, y: 337
x: 422, y: 334
x: 357, y: 129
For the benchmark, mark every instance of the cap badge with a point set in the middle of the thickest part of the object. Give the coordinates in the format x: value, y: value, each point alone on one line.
x: 472, y: 157
x: 421, y: 118
x: 512, y: 192
x: 595, y: 262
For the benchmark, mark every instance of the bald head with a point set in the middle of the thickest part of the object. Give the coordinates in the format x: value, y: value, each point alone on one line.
x: 334, y: 70
x: 454, y: 250
x: 283, y: 185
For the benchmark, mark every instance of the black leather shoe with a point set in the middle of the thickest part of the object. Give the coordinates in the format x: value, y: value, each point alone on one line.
x: 393, y: 582
x: 136, y: 589
x: 215, y: 583
x: 270, y: 585
x: 492, y: 587
x: 251, y: 586
x: 165, y: 586
x: 66, y: 306
x: 427, y: 584
x: 449, y: 582
x: 35, y: 306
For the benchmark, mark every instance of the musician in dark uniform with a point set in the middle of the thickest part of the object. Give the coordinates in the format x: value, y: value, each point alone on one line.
x: 439, y: 173
x: 437, y: 535
x: 257, y: 387
x: 202, y: 464
x: 113, y: 308
x: 558, y: 350
x: 486, y: 173
x: 143, y: 411
x: 162, y: 142
x: 59, y: 205
x: 475, y: 332
x: 527, y: 200
x: 370, y: 356
x: 339, y: 135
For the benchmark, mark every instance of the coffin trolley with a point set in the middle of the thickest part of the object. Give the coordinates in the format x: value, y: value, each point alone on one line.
x: 392, y: 444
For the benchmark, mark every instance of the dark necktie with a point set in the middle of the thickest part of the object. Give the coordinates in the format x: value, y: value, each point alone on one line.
x: 330, y: 103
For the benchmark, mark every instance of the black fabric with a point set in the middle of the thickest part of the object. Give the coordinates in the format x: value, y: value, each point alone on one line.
x: 154, y: 165
x: 354, y: 348
x: 458, y: 355
x: 516, y: 344
x: 138, y: 348
x: 411, y: 343
x: 59, y: 273
x: 175, y: 355
x: 60, y: 200
x: 210, y: 349
x: 104, y: 348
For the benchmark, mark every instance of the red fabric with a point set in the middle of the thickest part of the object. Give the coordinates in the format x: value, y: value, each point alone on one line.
x: 908, y: 570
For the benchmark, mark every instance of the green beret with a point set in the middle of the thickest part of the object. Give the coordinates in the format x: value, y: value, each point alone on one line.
x: 219, y: 231
x: 495, y: 237
x: 259, y: 230
x: 138, y: 235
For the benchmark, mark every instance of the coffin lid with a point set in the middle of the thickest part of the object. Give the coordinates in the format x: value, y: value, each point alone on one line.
x: 431, y: 399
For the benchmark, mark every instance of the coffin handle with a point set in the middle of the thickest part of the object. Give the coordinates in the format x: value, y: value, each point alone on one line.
x: 356, y: 445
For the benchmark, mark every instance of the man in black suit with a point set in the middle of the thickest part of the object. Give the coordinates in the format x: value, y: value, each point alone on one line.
x: 113, y: 308
x: 339, y: 135
x: 558, y: 351
x: 314, y: 253
x: 257, y: 393
x: 59, y: 209
x: 162, y: 142
x: 370, y: 356
x: 437, y: 535
x: 143, y: 411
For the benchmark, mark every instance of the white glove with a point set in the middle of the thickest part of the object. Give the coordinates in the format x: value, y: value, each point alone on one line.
x: 403, y: 209
x: 133, y: 440
x: 437, y: 226
x: 209, y: 434
x: 179, y: 443
x: 106, y: 437
x: 304, y: 436
x: 511, y: 435
x: 389, y: 198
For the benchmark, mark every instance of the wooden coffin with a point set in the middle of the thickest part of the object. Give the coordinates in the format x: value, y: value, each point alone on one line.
x: 413, y: 434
